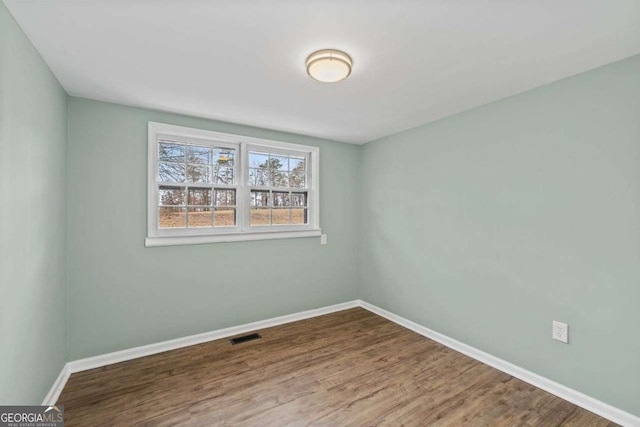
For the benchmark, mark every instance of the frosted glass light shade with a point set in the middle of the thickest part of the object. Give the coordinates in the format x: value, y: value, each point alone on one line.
x: 329, y: 65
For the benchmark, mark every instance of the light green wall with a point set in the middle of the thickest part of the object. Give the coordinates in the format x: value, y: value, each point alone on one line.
x: 488, y: 225
x: 123, y: 295
x: 32, y: 219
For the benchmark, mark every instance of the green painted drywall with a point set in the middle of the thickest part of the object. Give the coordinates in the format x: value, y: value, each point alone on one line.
x: 488, y: 225
x: 32, y: 219
x: 123, y: 295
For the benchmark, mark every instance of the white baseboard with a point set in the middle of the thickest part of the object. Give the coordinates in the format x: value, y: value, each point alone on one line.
x: 147, y: 350
x: 52, y: 397
x: 577, y: 398
x: 580, y: 399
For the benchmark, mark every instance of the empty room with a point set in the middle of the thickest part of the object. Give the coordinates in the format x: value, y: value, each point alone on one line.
x: 319, y: 213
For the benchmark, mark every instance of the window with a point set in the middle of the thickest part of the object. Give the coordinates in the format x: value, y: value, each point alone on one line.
x: 212, y: 187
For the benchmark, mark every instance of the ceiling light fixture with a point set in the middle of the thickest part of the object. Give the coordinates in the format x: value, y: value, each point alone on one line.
x: 329, y: 65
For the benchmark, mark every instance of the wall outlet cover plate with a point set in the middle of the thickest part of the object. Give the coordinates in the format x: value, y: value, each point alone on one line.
x: 560, y: 332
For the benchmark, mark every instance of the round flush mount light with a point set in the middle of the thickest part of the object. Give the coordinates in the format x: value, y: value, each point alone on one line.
x: 329, y: 65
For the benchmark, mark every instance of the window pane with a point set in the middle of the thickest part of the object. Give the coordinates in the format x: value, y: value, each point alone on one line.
x: 297, y: 179
x: 279, y: 179
x: 260, y: 198
x: 225, y: 197
x: 296, y: 164
x: 280, y: 199
x: 200, y: 196
x: 298, y: 199
x: 224, y: 157
x: 259, y: 177
x: 224, y: 175
x: 280, y: 216
x: 171, y: 217
x: 171, y: 196
x: 280, y: 163
x: 198, y: 187
x: 197, y: 173
x: 225, y: 217
x: 299, y: 216
x: 171, y: 172
x: 171, y: 152
x: 258, y: 160
x: 199, y: 155
x: 200, y: 217
x: 260, y: 216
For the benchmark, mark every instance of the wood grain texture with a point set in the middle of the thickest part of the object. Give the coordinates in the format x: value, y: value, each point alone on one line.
x: 347, y: 368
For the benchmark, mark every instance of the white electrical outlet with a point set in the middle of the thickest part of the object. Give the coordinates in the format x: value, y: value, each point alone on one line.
x: 560, y: 332
x: 323, y: 239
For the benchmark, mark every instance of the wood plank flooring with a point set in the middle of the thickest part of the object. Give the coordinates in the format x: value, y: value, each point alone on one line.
x: 351, y: 368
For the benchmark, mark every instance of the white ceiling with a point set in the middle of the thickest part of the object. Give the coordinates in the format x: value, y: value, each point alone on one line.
x: 242, y: 61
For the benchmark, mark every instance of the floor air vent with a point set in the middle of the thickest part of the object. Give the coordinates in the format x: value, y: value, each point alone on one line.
x: 245, y: 338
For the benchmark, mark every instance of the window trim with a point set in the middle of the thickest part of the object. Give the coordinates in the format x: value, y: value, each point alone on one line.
x: 242, y: 231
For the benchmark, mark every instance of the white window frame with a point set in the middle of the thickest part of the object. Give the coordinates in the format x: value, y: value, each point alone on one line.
x: 243, y: 230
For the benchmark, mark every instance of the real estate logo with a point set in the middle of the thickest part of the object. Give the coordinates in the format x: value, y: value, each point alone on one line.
x: 31, y: 416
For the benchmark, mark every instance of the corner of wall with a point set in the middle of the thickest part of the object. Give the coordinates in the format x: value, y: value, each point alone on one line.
x: 66, y: 233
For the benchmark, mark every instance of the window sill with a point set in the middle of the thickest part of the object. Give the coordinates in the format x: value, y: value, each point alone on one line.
x: 226, y: 238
